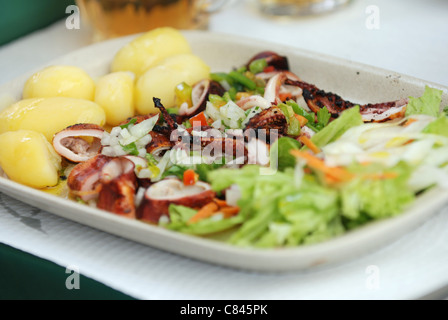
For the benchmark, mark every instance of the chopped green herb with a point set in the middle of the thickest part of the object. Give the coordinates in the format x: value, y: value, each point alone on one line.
x: 130, y: 149
x: 126, y: 125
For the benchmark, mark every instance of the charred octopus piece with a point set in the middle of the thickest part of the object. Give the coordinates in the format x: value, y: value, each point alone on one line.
x: 118, y: 187
x: 70, y: 144
x: 316, y: 99
x: 84, y: 179
x: 159, y: 144
x: 166, y: 116
x: 159, y: 196
x: 199, y: 97
x: 267, y: 120
x: 272, y: 59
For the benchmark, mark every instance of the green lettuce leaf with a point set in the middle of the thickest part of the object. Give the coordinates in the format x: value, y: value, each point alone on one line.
x: 438, y: 126
x: 348, y: 119
x: 179, y: 216
x: 376, y: 198
x: 275, y: 211
x: 280, y: 156
x: 428, y: 103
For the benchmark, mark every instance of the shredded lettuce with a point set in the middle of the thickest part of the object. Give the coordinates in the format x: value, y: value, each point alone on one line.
x: 180, y: 215
x: 275, y: 212
x: 348, y: 119
x: 428, y: 103
x: 378, y: 197
x: 280, y: 156
x: 438, y: 126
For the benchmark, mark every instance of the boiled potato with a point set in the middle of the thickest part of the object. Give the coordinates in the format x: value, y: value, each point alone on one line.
x: 60, y: 81
x: 50, y: 115
x: 149, y: 49
x: 115, y: 94
x: 28, y: 158
x: 161, y: 80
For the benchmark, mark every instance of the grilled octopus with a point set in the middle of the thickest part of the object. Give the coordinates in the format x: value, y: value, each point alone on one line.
x: 317, y: 99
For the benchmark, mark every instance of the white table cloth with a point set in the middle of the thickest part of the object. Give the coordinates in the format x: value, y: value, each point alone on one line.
x: 410, y: 37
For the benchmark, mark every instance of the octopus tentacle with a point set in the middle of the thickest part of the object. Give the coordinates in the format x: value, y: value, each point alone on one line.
x: 267, y: 120
x: 118, y: 187
x: 317, y: 99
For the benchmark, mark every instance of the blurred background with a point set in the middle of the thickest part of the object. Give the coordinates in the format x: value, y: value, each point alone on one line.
x: 406, y: 36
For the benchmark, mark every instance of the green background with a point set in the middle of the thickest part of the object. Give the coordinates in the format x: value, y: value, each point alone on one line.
x: 20, y: 17
x: 26, y: 277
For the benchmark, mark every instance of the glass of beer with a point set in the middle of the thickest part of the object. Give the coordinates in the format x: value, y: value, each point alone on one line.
x: 299, y: 7
x: 115, y: 18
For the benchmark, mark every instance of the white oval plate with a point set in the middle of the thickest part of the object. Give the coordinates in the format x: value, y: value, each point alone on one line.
x: 353, y: 81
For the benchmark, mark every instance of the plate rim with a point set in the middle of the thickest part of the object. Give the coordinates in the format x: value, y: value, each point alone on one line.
x: 248, y: 258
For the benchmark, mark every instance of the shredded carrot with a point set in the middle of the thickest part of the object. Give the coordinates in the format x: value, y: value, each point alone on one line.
x: 302, y: 120
x: 229, y: 211
x: 336, y: 173
x: 310, y: 144
x: 221, y: 203
x: 215, y: 207
x: 205, y: 212
x: 409, y: 121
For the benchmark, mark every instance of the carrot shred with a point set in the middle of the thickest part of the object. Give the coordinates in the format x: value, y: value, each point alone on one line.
x: 310, y: 144
x: 215, y: 207
x: 409, y: 121
x: 302, y: 120
x: 221, y: 203
x: 205, y: 212
x: 333, y: 173
x: 229, y: 211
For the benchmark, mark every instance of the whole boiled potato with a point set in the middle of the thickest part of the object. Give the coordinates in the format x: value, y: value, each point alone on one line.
x: 28, y: 158
x: 115, y: 94
x: 161, y: 81
x: 50, y: 115
x: 149, y: 49
x: 60, y: 81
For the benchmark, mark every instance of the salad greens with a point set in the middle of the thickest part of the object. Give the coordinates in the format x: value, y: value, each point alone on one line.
x: 428, y: 103
x: 364, y: 172
x: 348, y: 119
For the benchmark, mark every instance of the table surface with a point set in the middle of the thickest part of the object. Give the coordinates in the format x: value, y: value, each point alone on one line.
x: 412, y: 39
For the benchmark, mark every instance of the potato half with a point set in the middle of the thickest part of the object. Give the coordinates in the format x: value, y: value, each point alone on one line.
x: 28, y: 158
x: 60, y: 81
x: 161, y: 80
x: 149, y: 49
x: 115, y: 94
x: 50, y: 115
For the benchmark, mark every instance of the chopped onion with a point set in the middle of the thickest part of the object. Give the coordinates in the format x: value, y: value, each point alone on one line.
x: 233, y: 195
